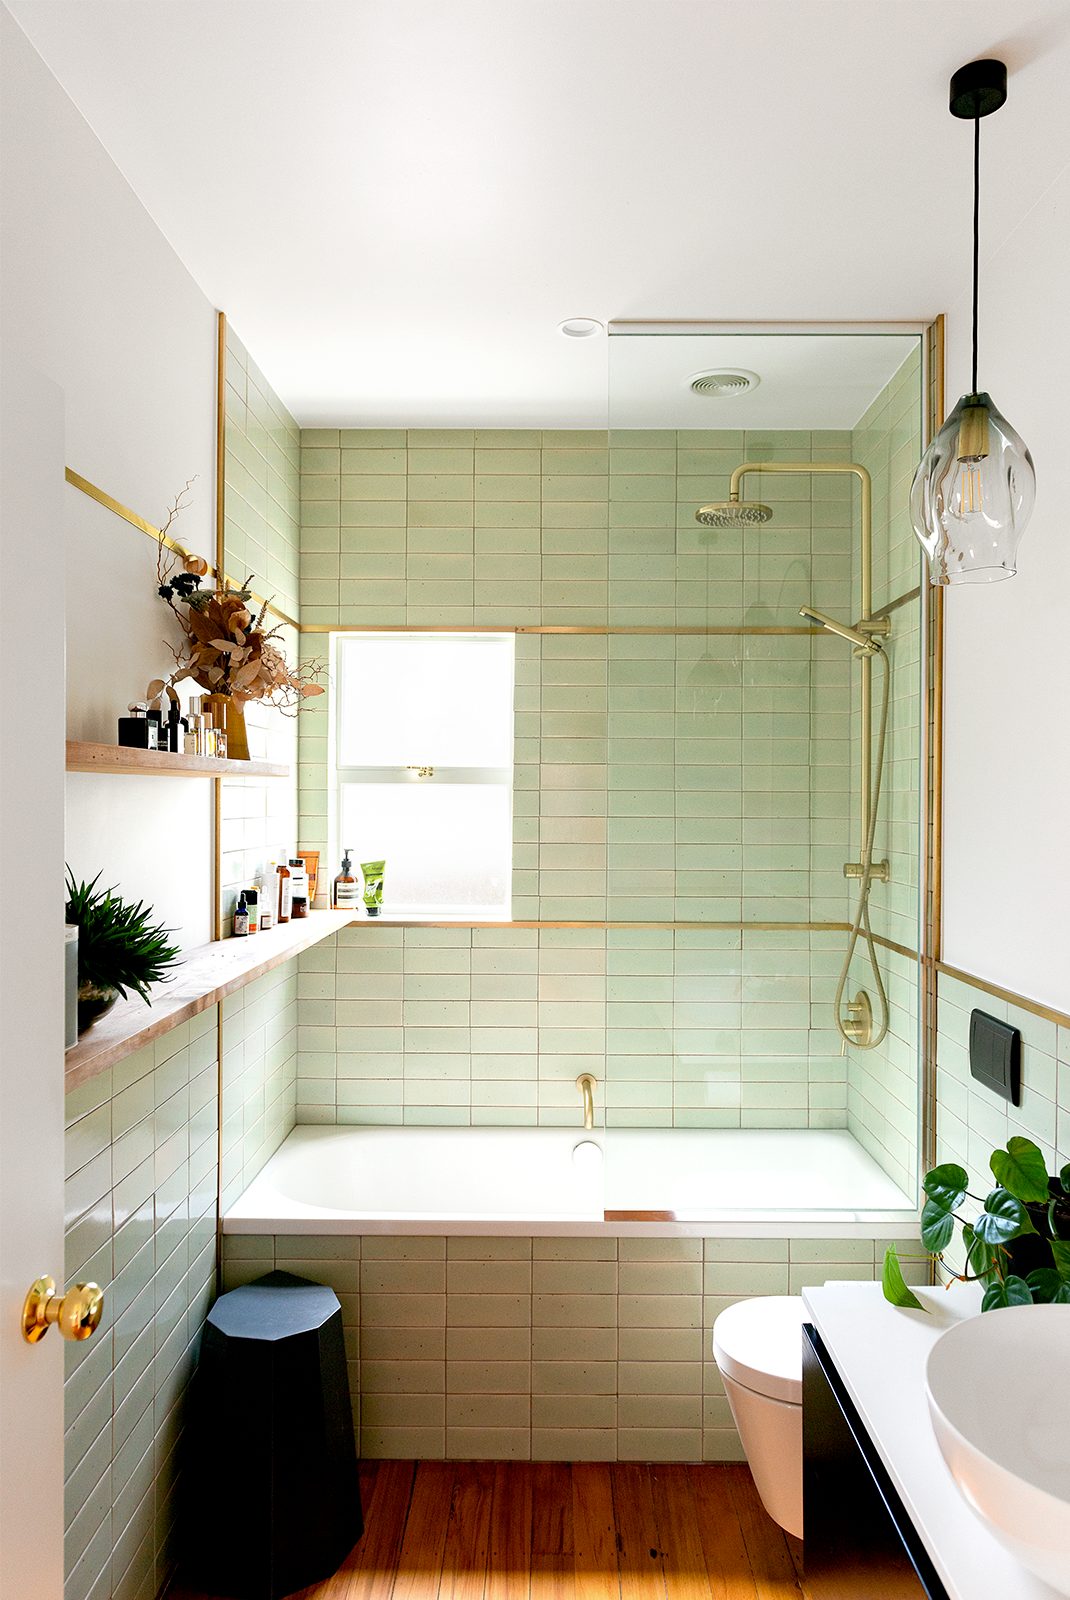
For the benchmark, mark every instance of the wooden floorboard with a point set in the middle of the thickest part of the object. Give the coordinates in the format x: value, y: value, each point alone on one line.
x: 686, y: 1577
x: 766, y: 1542
x: 513, y: 1530
x: 594, y: 1533
x: 419, y: 1565
x: 466, y: 1554
x: 639, y: 1554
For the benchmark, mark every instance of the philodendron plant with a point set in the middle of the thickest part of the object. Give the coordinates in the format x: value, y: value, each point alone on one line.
x: 1017, y: 1245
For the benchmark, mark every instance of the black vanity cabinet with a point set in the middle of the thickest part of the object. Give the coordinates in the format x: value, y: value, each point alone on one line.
x: 860, y: 1543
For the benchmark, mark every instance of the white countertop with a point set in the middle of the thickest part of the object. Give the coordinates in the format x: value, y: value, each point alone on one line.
x: 880, y: 1353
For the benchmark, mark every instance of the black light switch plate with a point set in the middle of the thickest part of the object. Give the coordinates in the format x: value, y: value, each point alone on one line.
x: 996, y: 1056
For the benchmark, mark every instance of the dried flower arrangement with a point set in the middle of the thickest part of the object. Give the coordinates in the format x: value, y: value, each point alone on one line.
x: 228, y: 651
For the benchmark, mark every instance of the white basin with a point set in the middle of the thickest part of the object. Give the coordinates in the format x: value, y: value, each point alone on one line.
x: 999, y: 1397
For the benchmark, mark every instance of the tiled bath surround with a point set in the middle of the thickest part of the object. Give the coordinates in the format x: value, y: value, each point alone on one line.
x: 685, y: 1027
x: 141, y: 1199
x: 543, y: 1349
x: 669, y: 778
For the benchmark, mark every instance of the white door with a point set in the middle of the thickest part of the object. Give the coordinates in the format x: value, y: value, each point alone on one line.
x: 31, y: 969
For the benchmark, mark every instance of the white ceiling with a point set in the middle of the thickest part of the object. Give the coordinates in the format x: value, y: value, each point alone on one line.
x: 396, y: 201
x: 806, y: 380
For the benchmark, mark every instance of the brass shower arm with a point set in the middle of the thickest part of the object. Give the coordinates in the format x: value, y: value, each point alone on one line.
x: 822, y: 468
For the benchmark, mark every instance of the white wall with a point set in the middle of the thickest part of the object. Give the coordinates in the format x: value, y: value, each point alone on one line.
x: 115, y: 320
x: 1007, y: 751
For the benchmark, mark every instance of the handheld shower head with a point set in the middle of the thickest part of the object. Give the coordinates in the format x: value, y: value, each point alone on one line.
x: 733, y: 513
x: 861, y: 641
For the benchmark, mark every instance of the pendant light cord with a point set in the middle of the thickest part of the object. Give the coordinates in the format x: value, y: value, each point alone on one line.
x: 976, y: 234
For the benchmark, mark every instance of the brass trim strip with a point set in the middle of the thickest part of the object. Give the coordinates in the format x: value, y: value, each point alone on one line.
x: 742, y: 927
x: 932, y: 768
x: 109, y: 502
x: 217, y: 784
x: 892, y: 944
x: 220, y: 567
x: 512, y: 627
x: 998, y: 992
x: 900, y: 600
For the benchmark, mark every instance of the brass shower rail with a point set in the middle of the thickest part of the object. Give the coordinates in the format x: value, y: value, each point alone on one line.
x: 868, y: 623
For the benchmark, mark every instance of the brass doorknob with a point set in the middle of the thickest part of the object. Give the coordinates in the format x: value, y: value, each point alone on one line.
x: 77, y: 1313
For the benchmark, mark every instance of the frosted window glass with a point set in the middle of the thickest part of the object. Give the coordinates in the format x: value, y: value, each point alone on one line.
x: 447, y: 847
x: 409, y: 700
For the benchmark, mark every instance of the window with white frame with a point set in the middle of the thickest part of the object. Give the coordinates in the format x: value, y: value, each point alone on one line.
x: 424, y: 765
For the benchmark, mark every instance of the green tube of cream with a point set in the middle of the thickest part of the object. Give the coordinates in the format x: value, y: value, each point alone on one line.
x: 373, y: 885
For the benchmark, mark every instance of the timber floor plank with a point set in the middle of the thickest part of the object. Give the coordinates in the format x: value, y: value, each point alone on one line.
x: 639, y: 1554
x: 419, y: 1566
x: 594, y: 1533
x: 466, y: 1554
x: 519, y: 1530
x: 767, y: 1546
x: 686, y: 1577
x: 510, y: 1534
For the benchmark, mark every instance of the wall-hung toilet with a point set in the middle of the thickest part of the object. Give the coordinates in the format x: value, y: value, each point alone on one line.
x: 758, y: 1348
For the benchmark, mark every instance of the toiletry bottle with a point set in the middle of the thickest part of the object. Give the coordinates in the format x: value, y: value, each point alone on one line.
x: 346, y: 889
x: 136, y: 732
x: 285, y: 893
x: 241, y: 918
x: 266, y: 897
x: 174, y: 729
x: 299, y: 892
x: 252, y: 900
x: 195, y: 737
x: 208, y: 734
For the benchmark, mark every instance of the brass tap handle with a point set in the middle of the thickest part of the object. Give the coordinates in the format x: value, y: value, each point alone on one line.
x: 77, y: 1314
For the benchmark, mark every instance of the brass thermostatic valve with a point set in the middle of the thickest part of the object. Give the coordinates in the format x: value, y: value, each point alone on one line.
x: 858, y: 1023
x: 77, y: 1313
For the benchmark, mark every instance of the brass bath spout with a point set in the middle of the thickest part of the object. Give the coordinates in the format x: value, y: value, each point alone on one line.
x: 585, y: 1084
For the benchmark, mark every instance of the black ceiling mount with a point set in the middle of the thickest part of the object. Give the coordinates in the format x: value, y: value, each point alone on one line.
x: 978, y: 89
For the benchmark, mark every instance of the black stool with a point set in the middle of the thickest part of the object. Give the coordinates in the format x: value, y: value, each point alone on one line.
x: 273, y: 1499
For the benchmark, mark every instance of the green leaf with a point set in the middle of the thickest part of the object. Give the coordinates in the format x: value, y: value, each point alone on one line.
x: 980, y: 1257
x: 1064, y: 1178
x: 894, y: 1284
x: 1011, y: 1292
x: 1060, y: 1253
x: 1048, y: 1288
x: 1002, y: 1219
x: 946, y: 1184
x: 1021, y: 1169
x: 937, y: 1226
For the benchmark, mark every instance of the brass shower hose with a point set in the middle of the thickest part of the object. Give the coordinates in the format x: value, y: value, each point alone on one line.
x: 860, y: 927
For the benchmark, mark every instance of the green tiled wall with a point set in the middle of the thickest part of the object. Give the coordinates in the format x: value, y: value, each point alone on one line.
x: 659, y: 777
x: 142, y: 1147
x: 261, y: 541
x: 883, y: 1084
x: 971, y: 1121
x: 684, y: 1027
x: 544, y: 1349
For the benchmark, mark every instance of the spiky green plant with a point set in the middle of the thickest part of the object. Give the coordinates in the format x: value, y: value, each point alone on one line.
x: 119, y: 946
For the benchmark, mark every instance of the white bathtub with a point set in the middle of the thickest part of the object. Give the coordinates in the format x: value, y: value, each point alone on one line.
x: 563, y: 1181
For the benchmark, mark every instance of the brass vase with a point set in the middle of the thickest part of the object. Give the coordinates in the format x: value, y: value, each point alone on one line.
x: 229, y: 714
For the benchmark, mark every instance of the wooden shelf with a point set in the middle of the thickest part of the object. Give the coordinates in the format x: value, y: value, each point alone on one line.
x: 85, y: 757
x: 207, y: 975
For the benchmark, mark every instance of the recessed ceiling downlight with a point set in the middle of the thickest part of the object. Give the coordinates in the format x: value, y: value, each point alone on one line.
x: 723, y: 383
x: 579, y: 327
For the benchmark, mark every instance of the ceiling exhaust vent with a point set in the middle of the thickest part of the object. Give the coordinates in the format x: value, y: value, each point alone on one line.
x: 726, y: 382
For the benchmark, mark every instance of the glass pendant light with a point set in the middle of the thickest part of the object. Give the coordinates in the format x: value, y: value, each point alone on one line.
x: 974, y: 489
